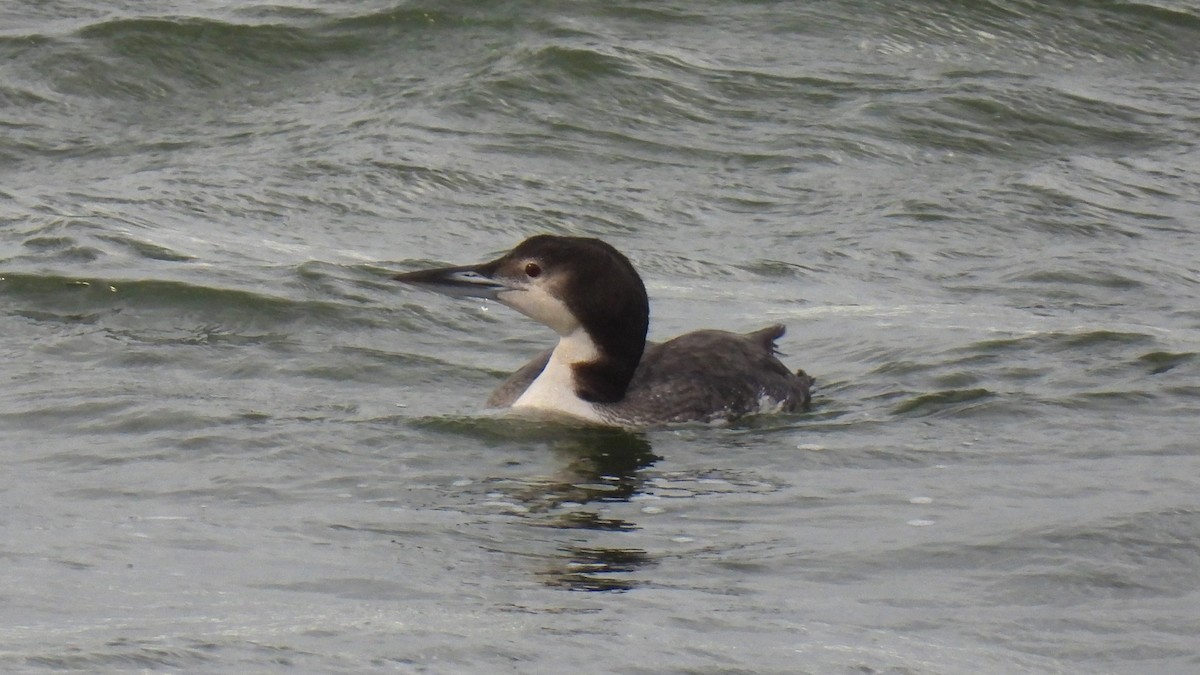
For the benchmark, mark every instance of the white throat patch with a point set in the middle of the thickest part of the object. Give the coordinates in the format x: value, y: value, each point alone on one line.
x: 554, y: 388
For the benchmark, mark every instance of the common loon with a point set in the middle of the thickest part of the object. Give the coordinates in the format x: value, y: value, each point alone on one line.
x: 603, y: 370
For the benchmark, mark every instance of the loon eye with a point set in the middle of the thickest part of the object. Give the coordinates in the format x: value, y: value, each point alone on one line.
x: 533, y: 270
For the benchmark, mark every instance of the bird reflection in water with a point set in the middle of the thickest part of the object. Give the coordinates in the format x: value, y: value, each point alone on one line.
x: 599, y: 466
x: 602, y: 466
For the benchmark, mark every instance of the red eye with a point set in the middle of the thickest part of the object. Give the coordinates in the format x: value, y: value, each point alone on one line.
x: 533, y: 270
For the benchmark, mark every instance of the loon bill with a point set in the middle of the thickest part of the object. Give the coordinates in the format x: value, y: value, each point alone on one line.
x: 602, y: 369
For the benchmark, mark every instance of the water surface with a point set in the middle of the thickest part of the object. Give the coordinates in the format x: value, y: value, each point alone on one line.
x: 232, y: 445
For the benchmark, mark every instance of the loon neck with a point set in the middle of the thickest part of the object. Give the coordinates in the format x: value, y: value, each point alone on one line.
x: 579, y: 377
x: 615, y: 342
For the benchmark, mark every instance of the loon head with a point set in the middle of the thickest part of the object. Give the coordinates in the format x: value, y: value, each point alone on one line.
x: 584, y: 289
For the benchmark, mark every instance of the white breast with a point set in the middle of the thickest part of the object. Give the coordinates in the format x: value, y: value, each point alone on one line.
x: 554, y: 388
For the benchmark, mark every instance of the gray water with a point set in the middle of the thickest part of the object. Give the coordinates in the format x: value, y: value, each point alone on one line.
x: 230, y: 444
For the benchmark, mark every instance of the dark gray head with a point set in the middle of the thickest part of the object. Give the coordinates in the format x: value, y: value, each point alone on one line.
x: 567, y: 283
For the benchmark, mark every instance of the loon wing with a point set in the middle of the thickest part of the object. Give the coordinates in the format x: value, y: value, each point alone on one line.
x: 511, y: 389
x: 712, y: 374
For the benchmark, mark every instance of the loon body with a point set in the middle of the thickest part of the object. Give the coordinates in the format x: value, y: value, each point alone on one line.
x: 602, y: 370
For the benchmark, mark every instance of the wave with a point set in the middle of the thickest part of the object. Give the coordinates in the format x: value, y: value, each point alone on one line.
x: 144, y: 58
x: 53, y: 297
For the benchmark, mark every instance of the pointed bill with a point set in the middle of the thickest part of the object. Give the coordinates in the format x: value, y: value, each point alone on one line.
x: 471, y: 281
